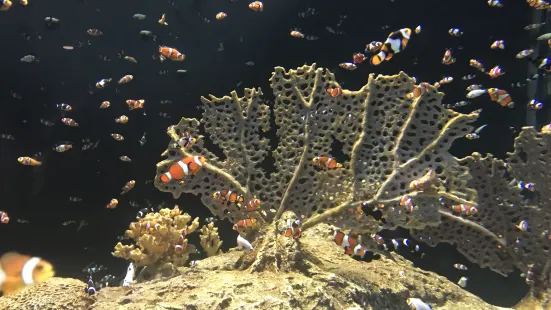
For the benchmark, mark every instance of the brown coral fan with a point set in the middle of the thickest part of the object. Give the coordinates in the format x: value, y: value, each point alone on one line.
x: 492, y: 238
x: 210, y: 241
x: 156, y: 236
x: 389, y: 140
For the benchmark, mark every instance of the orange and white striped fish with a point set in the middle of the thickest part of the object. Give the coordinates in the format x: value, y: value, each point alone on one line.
x: 18, y: 271
x: 242, y: 225
x: 417, y: 184
x: 407, y: 203
x: 293, y: 229
x: 182, y: 246
x: 419, y: 90
x: 125, y: 159
x: 297, y: 34
x: 448, y: 59
x: 187, y: 166
x: 495, y: 72
x: 4, y: 218
x: 126, y: 79
x: 349, y: 242
x: 539, y: 4
x: 221, y: 16
x: 105, y: 105
x: 227, y: 195
x: 123, y: 119
x: 373, y: 47
x: 394, y: 44
x: 252, y: 205
x: 5, y: 5
x: 256, y: 6
x: 186, y: 140
x: 69, y: 122
x: 112, y: 204
x: 117, y: 136
x: 102, y: 83
x: 498, y: 44
x: 64, y: 107
x: 94, y: 32
x: 63, y: 147
x: 28, y: 161
x: 463, y: 209
x: 502, y: 97
x: 334, y: 91
x: 129, y: 185
x: 135, y: 104
x: 476, y: 64
x: 162, y: 21
x: 358, y: 58
x: 149, y: 226
x: 170, y: 53
x: 324, y: 162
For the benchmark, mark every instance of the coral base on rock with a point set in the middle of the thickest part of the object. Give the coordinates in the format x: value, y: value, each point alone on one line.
x: 330, y: 280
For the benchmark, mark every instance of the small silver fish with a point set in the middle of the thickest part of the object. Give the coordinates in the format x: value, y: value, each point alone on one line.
x: 138, y: 16
x: 30, y: 59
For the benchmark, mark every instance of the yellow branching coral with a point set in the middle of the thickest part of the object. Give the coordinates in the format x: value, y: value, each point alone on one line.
x: 210, y: 241
x: 388, y: 141
x: 160, y: 238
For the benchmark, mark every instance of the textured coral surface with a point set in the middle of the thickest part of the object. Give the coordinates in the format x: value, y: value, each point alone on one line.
x: 386, y: 141
x: 334, y: 281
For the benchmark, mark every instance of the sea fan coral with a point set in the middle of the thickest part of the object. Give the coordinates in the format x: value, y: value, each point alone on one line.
x: 387, y: 140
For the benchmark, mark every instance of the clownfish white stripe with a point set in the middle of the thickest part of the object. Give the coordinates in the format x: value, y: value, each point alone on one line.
x: 168, y: 175
x: 395, y: 44
x: 2, y: 276
x: 184, y: 167
x: 27, y: 272
x: 197, y: 161
x: 405, y: 33
x: 345, y: 242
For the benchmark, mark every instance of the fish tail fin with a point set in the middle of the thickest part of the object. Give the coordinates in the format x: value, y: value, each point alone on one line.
x: 378, y: 59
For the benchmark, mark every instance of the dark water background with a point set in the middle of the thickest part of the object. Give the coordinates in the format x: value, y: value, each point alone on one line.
x: 41, y: 195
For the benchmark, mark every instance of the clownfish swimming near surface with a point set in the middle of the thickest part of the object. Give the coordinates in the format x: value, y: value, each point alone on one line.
x: 188, y: 166
x: 18, y: 271
x: 394, y: 44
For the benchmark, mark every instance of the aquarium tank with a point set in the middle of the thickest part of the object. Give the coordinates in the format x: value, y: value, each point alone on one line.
x: 232, y: 154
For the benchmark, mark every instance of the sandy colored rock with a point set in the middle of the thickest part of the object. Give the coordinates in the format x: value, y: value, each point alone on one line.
x: 329, y: 280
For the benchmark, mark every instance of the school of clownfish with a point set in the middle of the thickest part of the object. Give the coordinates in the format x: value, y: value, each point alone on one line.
x: 395, y: 43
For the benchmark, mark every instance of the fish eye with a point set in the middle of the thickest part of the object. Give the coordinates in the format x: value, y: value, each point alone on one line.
x: 39, y: 267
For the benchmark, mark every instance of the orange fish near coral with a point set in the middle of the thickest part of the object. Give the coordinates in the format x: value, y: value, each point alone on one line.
x: 4, y: 219
x: 187, y: 166
x: 334, y: 91
x: 292, y: 229
x: 325, y: 162
x: 149, y: 226
x: 349, y: 242
x: 252, y: 205
x: 221, y: 16
x: 242, y: 225
x: 417, y: 184
x: 419, y: 90
x: 27, y: 161
x: 126, y: 79
x: 407, y: 203
x: 186, y: 140
x: 502, y: 97
x: 394, y: 44
x: 358, y: 58
x: 464, y: 209
x: 18, y: 271
x: 170, y: 53
x: 226, y: 195
x: 448, y: 59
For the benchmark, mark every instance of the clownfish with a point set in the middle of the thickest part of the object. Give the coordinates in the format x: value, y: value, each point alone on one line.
x: 463, y: 209
x: 102, y: 83
x: 129, y: 185
x: 495, y: 72
x: 242, y: 225
x: 297, y: 34
x: 18, y: 271
x: 170, y: 53
x: 394, y: 44
x: 162, y: 21
x: 373, y: 47
x: 221, y: 16
x: 448, y: 59
x: 252, y: 205
x: 126, y: 79
x: 105, y: 105
x: 117, y: 136
x: 229, y: 196
x: 502, y: 97
x: 334, y: 91
x: 94, y: 32
x: 419, y: 90
x: 535, y: 105
x: 348, y: 66
x: 416, y: 184
x: 123, y: 119
x: 63, y: 147
x: 324, y: 162
x: 5, y: 5
x: 407, y: 203
x: 293, y: 229
x: 64, y: 107
x: 186, y: 140
x: 187, y: 166
x: 499, y: 44
x: 455, y: 32
x: 90, y: 288
x: 349, y: 242
x: 149, y: 226
x: 358, y: 58
x: 112, y: 204
x: 69, y: 122
x: 135, y: 104
x: 256, y: 6
x: 181, y: 245
x: 524, y: 53
x: 4, y: 219
x: 27, y: 161
x: 476, y: 64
